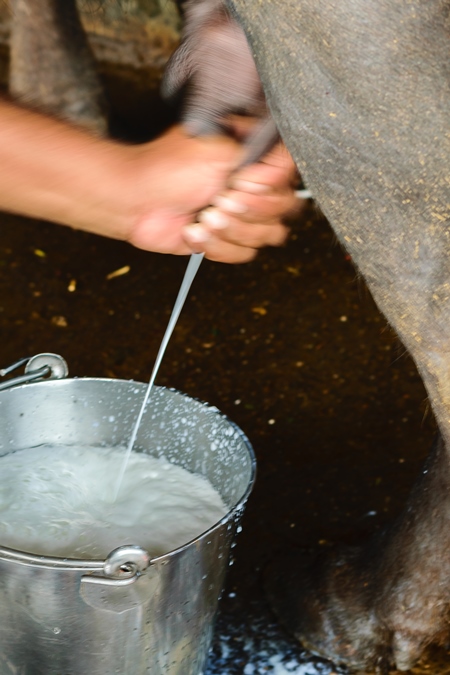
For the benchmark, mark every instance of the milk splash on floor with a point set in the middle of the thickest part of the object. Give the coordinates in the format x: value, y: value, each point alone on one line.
x: 58, y: 501
x: 248, y: 641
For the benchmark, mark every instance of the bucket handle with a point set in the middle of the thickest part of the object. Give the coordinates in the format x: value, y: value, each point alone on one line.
x: 122, y: 567
x: 38, y: 367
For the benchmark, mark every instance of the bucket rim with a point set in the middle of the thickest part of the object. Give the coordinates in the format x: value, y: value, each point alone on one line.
x: 82, y: 564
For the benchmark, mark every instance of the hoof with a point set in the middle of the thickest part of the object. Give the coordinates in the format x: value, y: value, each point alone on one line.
x: 325, y: 601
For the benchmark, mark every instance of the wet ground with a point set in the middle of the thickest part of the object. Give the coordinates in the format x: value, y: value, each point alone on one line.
x: 291, y: 347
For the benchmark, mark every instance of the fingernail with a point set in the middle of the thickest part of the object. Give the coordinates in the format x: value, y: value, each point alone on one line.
x: 214, y: 219
x: 196, y: 233
x: 230, y: 205
x: 250, y: 186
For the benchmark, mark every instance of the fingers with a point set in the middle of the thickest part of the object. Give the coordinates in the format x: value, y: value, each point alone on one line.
x: 262, y: 191
x: 276, y: 169
x: 248, y: 215
x: 237, y: 242
x: 259, y: 203
x: 214, y: 248
x: 261, y: 194
x: 234, y: 229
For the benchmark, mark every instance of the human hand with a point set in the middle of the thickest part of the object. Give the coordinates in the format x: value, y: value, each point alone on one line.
x: 168, y: 181
x: 248, y: 213
x: 177, y: 176
x: 144, y: 194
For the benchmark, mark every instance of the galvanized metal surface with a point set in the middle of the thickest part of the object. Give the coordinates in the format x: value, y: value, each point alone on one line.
x: 53, y: 619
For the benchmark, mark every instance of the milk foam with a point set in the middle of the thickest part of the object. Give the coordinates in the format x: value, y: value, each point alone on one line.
x: 58, y: 501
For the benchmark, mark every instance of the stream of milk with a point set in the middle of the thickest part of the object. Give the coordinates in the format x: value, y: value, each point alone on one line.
x: 56, y: 500
x: 189, y: 275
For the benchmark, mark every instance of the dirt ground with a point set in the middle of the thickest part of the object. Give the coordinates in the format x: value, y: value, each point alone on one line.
x: 291, y: 347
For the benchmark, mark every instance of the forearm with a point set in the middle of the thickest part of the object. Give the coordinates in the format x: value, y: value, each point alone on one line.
x: 53, y: 171
x: 146, y: 194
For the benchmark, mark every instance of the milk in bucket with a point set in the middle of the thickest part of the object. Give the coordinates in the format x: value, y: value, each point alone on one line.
x: 58, y: 501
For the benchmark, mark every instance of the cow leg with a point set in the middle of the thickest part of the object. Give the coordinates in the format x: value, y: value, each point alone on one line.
x: 360, y: 91
x: 381, y: 604
x: 52, y: 66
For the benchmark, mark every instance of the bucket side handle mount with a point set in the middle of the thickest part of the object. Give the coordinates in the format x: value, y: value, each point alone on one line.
x: 122, y: 567
x: 114, y: 589
x: 38, y: 367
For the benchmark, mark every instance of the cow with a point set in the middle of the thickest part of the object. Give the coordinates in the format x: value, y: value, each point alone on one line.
x: 51, y: 63
x: 360, y: 93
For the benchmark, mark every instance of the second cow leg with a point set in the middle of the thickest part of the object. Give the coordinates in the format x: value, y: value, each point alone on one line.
x: 52, y: 66
x: 380, y: 604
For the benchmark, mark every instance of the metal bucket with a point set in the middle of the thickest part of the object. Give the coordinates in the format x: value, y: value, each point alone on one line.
x: 128, y: 614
